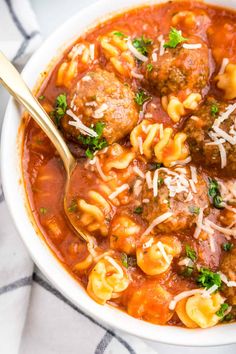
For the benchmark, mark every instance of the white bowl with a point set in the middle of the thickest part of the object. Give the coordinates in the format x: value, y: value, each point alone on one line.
x: 15, y: 197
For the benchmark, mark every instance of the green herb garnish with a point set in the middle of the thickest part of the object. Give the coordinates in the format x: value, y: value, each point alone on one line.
x: 214, y: 192
x: 155, y: 166
x: 221, y: 311
x: 142, y: 44
x: 43, y: 210
x: 141, y: 97
x: 194, y: 209
x: 190, y: 253
x: 160, y: 181
x: 207, y: 278
x: 175, y: 37
x: 187, y: 272
x: 227, y: 246
x: 149, y: 67
x: 42, y: 97
x: 73, y: 206
x: 60, y: 108
x: 119, y: 34
x: 228, y: 317
x: 93, y: 143
x: 138, y: 210
x: 128, y: 261
x: 214, y: 109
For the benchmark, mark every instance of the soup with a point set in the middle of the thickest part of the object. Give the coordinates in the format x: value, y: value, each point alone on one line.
x: 147, y: 104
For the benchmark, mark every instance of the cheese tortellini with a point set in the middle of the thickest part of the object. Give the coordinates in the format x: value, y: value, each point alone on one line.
x: 177, y: 109
x: 94, y: 212
x: 106, y: 280
x: 69, y: 68
x: 198, y: 311
x: 227, y: 81
x: 158, y: 143
x: 155, y: 256
x: 124, y: 232
x: 116, y: 50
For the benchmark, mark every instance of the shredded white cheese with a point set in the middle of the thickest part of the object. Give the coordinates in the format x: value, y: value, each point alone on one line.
x: 157, y: 221
x: 154, y: 57
x: 182, y: 296
x: 140, y: 145
x: 163, y: 252
x: 224, y: 63
x: 162, y: 42
x: 91, y: 51
x: 79, y: 125
x: 99, y: 112
x: 221, y: 229
x: 199, y: 224
x: 149, y: 180
x: 100, y: 171
x: 193, y: 171
x: 137, y: 187
x: 186, y: 262
x: 229, y: 283
x: 135, y: 52
x: 155, y: 183
x: 181, y: 162
x: 192, y: 46
x: 118, y: 191
x: 211, y: 290
x: 148, y: 243
x: 136, y: 75
x: 114, y: 264
x: 138, y: 172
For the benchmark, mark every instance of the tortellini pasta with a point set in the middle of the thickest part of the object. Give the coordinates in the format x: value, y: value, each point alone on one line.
x: 94, y: 212
x: 227, y: 81
x: 124, y: 232
x: 199, y: 311
x: 177, y: 109
x: 69, y: 68
x: 116, y: 50
x: 154, y: 141
x: 155, y: 255
x: 106, y: 280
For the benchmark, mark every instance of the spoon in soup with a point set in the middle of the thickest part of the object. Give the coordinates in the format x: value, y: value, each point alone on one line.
x: 13, y: 82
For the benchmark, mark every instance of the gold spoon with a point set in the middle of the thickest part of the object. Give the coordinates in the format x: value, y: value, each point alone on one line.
x: 13, y: 82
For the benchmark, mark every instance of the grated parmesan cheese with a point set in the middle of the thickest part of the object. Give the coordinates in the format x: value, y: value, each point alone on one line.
x: 138, y: 172
x: 99, y: 112
x: 149, y: 180
x: 79, y: 125
x: 155, y: 183
x: 163, y: 252
x: 229, y: 283
x: 224, y: 63
x: 118, y: 191
x: 91, y: 51
x: 157, y: 221
x: 182, y: 296
x: 148, y: 243
x: 211, y: 290
x: 100, y: 171
x: 199, y: 224
x: 135, y: 52
x: 115, y: 264
x: 192, y: 46
x: 136, y: 75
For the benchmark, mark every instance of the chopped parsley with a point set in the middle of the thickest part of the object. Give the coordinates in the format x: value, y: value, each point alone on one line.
x: 160, y: 181
x: 128, y: 261
x: 155, y: 166
x: 175, y: 37
x: 194, y: 209
x: 221, y: 311
x: 207, y: 278
x: 214, y: 192
x: 60, y: 108
x: 228, y: 317
x: 187, y: 272
x: 42, y: 97
x: 142, y: 44
x: 93, y: 143
x: 43, y: 210
x: 138, y: 210
x: 73, y: 206
x: 119, y: 34
x: 227, y: 246
x: 141, y: 97
x: 214, y: 109
x: 190, y: 253
x: 149, y: 67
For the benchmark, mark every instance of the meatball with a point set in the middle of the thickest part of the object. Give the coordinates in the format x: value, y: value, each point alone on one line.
x: 179, y: 69
x: 228, y: 267
x: 198, y: 128
x: 184, y: 205
x: 101, y: 97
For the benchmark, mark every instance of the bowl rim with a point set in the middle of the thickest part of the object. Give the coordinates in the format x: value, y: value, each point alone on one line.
x: 15, y: 196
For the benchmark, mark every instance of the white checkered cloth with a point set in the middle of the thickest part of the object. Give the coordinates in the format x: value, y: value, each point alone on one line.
x: 35, y: 318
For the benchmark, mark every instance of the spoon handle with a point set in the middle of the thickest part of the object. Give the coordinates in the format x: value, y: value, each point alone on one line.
x: 13, y: 82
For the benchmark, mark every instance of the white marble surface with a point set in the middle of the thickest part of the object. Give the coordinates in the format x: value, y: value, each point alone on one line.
x: 50, y: 14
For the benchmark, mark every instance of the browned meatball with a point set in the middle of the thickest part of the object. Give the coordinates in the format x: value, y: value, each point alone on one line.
x: 228, y: 267
x: 197, y: 129
x: 179, y: 69
x: 101, y: 97
x: 184, y: 211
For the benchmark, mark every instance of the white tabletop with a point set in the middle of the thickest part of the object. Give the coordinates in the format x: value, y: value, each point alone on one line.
x: 50, y: 15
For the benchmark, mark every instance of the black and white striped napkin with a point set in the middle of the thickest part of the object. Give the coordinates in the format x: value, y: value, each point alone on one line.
x: 35, y: 318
